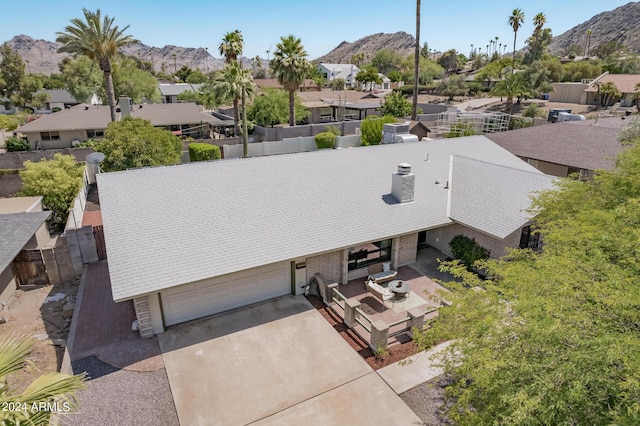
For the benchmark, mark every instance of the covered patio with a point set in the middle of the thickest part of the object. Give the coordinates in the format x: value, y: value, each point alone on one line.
x: 399, y: 315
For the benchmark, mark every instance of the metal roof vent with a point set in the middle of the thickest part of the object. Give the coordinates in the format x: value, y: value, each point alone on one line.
x: 403, y: 183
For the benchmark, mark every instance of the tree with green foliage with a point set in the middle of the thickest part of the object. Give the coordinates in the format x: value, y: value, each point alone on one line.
x: 513, y: 85
x: 576, y: 71
x: 337, y: 84
x: 395, y: 76
x: 58, y: 181
x: 396, y: 105
x: 493, y: 70
x: 623, y: 64
x: 451, y: 61
x: 452, y: 86
x: 357, y: 59
x: 99, y: 40
x: 467, y: 250
x: 534, y: 111
x: 424, y: 50
x: 573, y: 50
x: 129, y: 80
x: 189, y: 75
x: 41, y: 396
x: 271, y: 107
x: 552, y: 338
x: 231, y: 47
x: 236, y: 83
x: 9, y: 122
x: 134, y: 142
x: 386, y: 60
x: 537, y: 78
x: 189, y: 96
x: 290, y: 67
x: 515, y: 21
x: 15, y: 143
x: 368, y: 75
x: 608, y: 93
x: 536, y: 44
x: 82, y: 78
x: 609, y: 48
x: 11, y: 70
x: 371, y: 129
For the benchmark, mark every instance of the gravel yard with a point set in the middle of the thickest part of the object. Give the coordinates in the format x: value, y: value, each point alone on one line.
x: 120, y: 397
x: 426, y: 400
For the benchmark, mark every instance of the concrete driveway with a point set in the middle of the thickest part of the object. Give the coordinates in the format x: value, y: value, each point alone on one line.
x: 278, y: 362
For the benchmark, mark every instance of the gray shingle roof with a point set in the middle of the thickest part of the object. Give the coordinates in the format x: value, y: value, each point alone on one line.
x: 168, y: 226
x: 586, y: 145
x: 16, y: 229
x: 492, y: 198
x: 81, y: 117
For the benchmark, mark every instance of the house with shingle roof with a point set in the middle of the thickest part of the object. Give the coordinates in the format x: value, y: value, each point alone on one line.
x: 22, y: 227
x: 570, y: 147
x: 273, y: 222
x: 587, y: 91
x: 70, y: 127
x: 347, y: 72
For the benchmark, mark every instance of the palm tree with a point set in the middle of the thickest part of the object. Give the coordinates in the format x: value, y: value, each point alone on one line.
x: 49, y: 388
x: 512, y: 85
x: 231, y: 47
x: 539, y: 20
x: 515, y: 20
x: 236, y: 83
x: 99, y: 40
x: 416, y: 65
x: 589, y: 32
x: 290, y: 66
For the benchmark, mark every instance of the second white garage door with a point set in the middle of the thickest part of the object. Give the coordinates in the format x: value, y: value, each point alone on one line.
x: 219, y: 294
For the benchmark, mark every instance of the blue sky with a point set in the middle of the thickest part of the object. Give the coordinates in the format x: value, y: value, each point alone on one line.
x: 320, y: 25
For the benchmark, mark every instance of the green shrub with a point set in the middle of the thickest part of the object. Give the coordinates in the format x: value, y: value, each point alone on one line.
x: 467, y: 250
x: 9, y: 122
x: 520, y: 122
x: 56, y: 109
x: 332, y: 129
x: 533, y: 111
x: 203, y: 152
x: 461, y: 128
x: 325, y: 140
x: 371, y: 129
x: 16, y: 144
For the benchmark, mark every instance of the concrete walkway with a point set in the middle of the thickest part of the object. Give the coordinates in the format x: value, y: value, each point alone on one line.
x: 479, y: 103
x: 278, y: 362
x: 415, y: 370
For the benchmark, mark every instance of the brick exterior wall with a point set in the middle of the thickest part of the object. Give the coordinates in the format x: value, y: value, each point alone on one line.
x: 330, y: 265
x: 440, y: 237
x: 405, y: 250
x: 143, y: 315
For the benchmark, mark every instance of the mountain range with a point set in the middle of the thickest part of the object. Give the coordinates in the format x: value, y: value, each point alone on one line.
x: 622, y: 23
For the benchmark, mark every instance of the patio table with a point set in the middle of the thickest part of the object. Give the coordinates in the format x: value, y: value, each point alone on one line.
x: 399, y: 288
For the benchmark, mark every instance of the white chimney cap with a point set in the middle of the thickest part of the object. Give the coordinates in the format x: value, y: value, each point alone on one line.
x: 404, y: 168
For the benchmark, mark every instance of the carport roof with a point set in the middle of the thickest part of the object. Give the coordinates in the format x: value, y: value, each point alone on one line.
x: 16, y: 229
x: 166, y: 226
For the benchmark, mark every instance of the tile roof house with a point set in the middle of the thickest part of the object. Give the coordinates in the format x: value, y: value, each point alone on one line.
x: 235, y: 232
x: 561, y: 149
x: 22, y: 227
x: 69, y: 127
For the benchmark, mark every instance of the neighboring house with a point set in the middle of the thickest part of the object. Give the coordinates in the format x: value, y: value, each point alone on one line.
x: 561, y: 149
x: 328, y: 106
x: 586, y: 92
x: 347, y: 72
x: 71, y: 126
x: 170, y: 91
x: 59, y: 99
x: 22, y: 231
x: 273, y: 222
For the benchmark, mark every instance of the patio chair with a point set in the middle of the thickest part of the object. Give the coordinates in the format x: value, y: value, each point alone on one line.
x: 379, y: 275
x: 379, y: 292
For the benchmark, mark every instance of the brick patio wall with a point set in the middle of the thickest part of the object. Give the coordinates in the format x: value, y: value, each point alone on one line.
x: 440, y: 237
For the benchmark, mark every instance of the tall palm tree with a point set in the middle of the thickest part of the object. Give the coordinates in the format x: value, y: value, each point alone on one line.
x: 231, y: 47
x: 589, y: 32
x: 98, y: 39
x: 416, y: 65
x: 236, y: 83
x: 290, y: 66
x: 48, y: 388
x: 539, y: 20
x: 515, y: 20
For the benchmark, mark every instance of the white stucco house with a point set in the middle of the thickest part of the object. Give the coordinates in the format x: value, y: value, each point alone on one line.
x: 347, y: 72
x: 189, y: 241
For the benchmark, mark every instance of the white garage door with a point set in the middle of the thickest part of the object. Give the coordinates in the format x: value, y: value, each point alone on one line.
x: 207, y: 297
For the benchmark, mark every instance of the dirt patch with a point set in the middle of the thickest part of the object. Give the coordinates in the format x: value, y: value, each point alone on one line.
x: 518, y: 109
x: 394, y: 353
x: 28, y: 315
